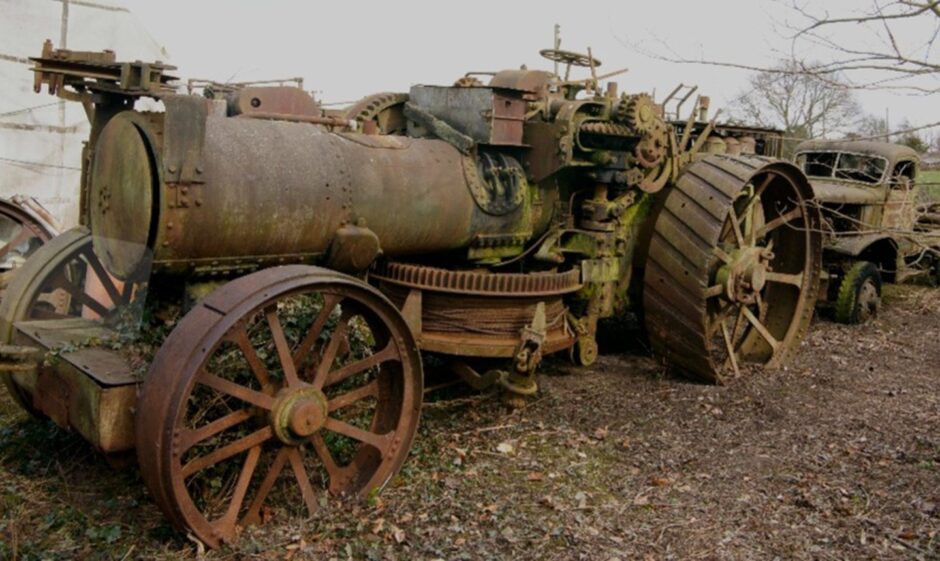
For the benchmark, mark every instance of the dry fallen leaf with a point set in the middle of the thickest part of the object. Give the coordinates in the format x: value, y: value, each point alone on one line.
x: 601, y: 433
x: 535, y: 476
x: 398, y: 534
x: 505, y: 448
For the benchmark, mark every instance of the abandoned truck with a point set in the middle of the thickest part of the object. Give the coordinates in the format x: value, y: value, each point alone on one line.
x: 315, y: 257
x: 877, y: 228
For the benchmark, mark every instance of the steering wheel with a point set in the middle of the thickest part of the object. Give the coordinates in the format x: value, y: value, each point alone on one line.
x: 568, y: 57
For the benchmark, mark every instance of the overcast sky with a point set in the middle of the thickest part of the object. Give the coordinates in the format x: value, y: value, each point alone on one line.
x: 347, y: 49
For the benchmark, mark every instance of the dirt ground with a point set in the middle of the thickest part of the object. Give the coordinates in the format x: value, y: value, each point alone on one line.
x: 835, y: 457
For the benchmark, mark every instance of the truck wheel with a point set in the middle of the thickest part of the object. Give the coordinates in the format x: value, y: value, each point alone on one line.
x: 859, y: 294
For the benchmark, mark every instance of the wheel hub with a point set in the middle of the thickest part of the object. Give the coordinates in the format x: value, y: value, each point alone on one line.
x: 298, y: 413
x: 868, y: 301
x: 745, y: 277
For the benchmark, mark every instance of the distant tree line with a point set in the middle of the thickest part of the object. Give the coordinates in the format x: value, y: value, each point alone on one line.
x: 806, y: 106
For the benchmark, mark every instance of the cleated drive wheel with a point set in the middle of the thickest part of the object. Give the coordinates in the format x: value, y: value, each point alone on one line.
x: 278, y: 384
x: 859, y: 294
x: 733, y: 266
x: 63, y: 279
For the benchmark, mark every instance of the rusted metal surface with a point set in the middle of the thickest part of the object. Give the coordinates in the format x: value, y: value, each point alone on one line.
x: 479, y: 283
x: 380, y: 113
x: 733, y: 266
x: 24, y: 226
x: 51, y: 300
x: 286, y: 417
x: 98, y: 72
x: 333, y: 122
x: 499, y: 223
x: 869, y: 194
x: 479, y: 314
x: 367, y: 184
x: 487, y: 115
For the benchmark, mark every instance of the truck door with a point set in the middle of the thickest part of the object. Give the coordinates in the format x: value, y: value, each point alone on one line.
x: 901, y: 198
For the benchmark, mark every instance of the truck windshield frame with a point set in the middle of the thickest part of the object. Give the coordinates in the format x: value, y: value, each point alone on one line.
x: 854, y: 167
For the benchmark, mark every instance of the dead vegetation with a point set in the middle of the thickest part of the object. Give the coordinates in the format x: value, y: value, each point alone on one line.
x: 835, y: 457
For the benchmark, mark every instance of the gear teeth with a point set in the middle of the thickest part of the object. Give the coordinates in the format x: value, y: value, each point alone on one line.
x: 638, y: 112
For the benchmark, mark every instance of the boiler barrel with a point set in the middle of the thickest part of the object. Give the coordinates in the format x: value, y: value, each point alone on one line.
x: 265, y: 192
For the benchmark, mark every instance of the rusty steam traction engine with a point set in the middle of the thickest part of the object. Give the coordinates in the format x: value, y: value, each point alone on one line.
x: 317, y: 256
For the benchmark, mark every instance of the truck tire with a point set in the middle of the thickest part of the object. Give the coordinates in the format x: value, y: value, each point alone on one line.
x: 859, y: 294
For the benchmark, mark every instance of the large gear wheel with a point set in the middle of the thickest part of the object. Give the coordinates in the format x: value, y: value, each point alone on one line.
x: 639, y: 113
x: 733, y: 267
x: 384, y: 109
x: 652, y: 148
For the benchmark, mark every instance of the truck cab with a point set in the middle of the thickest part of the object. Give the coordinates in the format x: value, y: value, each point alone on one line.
x: 867, y: 192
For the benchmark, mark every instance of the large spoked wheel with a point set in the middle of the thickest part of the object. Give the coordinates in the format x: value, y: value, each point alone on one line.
x: 64, y: 279
x: 733, y: 267
x: 280, y: 383
x: 21, y: 234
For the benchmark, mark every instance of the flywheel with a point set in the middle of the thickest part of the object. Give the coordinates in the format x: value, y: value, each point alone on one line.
x: 384, y: 109
x: 733, y: 266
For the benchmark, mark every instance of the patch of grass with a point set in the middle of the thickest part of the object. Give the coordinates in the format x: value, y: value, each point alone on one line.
x: 931, y: 182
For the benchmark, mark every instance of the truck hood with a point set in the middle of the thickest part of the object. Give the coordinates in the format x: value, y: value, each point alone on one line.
x: 845, y: 193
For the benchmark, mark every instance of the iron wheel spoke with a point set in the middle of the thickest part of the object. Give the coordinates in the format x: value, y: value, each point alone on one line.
x: 390, y: 352
x: 191, y: 437
x: 300, y: 473
x: 377, y: 441
x: 227, y: 451
x: 714, y: 291
x: 329, y: 354
x: 106, y: 281
x: 227, y: 522
x: 23, y: 235
x: 253, y: 516
x: 761, y: 328
x: 779, y: 221
x: 83, y: 298
x: 313, y: 334
x: 729, y: 346
x: 237, y: 391
x: 345, y: 400
x: 239, y: 336
x: 795, y: 279
x: 323, y: 452
x: 283, y: 349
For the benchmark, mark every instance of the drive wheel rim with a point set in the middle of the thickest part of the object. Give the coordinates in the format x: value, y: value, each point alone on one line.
x: 733, y: 267
x: 251, y: 407
x: 761, y: 269
x: 21, y: 236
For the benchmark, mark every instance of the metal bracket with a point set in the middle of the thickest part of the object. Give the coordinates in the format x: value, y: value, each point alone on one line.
x: 184, y: 137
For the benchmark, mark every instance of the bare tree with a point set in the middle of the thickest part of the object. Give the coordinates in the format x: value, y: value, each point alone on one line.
x: 884, y: 45
x: 889, y: 44
x: 802, y: 104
